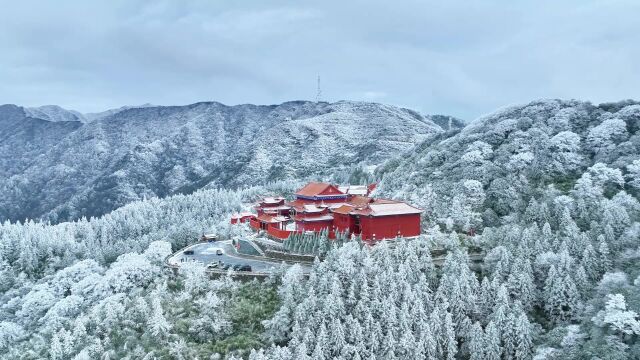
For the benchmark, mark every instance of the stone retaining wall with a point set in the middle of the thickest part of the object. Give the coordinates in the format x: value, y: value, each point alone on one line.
x: 289, y: 257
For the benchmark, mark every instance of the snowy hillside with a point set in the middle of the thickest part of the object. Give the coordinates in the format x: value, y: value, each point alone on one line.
x: 104, y: 114
x: 504, y: 159
x: 23, y: 139
x: 56, y: 113
x: 53, y: 113
x: 67, y: 169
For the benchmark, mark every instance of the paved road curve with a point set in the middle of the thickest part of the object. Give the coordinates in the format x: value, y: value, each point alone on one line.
x: 206, y: 253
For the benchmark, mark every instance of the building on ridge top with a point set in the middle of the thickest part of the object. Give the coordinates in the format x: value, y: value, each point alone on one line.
x: 346, y: 209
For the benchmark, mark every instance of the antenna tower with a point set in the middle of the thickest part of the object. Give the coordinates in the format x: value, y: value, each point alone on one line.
x: 319, y: 93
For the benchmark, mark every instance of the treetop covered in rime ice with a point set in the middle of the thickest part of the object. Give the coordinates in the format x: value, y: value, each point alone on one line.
x: 57, y: 169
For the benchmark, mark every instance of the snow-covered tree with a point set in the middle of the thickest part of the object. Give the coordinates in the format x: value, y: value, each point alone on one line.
x: 616, y: 316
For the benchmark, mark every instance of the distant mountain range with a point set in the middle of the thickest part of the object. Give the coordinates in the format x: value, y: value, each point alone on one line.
x: 55, y: 113
x: 59, y: 164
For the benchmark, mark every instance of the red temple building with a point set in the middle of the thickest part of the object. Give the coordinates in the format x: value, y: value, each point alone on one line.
x: 273, y: 206
x: 346, y: 209
x: 242, y: 217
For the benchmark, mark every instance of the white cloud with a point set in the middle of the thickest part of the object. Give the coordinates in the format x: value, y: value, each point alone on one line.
x: 457, y: 57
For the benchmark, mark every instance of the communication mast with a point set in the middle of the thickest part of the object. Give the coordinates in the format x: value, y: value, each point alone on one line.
x: 319, y: 93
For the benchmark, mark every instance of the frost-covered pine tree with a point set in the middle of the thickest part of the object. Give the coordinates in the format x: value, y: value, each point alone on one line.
x: 633, y: 174
x: 322, y: 347
x: 492, y: 348
x: 604, y: 255
x: 158, y: 324
x: 337, y: 336
x: 451, y: 347
x: 582, y: 282
x: 57, y: 347
x: 301, y: 352
x: 524, y: 336
x: 589, y: 263
x: 476, y: 342
x: 561, y: 297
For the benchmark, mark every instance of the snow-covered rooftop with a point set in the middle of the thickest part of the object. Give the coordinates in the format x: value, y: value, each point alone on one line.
x: 311, y: 208
x: 242, y: 215
x: 276, y: 208
x: 398, y: 208
x: 272, y: 200
x: 327, y: 217
x: 354, y: 189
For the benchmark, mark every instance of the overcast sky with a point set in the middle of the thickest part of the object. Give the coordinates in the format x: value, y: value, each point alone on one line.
x: 463, y: 58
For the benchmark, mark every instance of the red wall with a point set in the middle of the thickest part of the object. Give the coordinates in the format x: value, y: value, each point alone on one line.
x: 245, y: 219
x: 313, y: 225
x: 386, y: 227
x: 344, y: 222
x: 304, y: 215
x: 254, y: 223
x: 280, y: 234
x: 318, y: 202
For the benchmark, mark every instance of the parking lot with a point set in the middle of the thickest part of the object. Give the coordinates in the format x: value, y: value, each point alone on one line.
x: 206, y: 253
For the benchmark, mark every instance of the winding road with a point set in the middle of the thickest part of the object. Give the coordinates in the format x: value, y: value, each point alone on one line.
x: 205, y: 253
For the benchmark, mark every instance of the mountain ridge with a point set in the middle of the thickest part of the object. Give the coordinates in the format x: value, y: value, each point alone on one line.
x: 90, y: 168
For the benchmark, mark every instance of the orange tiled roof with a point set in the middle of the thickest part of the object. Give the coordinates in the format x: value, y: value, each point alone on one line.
x: 344, y: 209
x: 265, y: 218
x: 296, y: 203
x: 316, y: 188
x: 312, y: 189
x: 360, y: 200
x: 386, y: 201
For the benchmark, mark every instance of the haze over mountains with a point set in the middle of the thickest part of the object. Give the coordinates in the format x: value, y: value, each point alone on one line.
x: 58, y: 164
